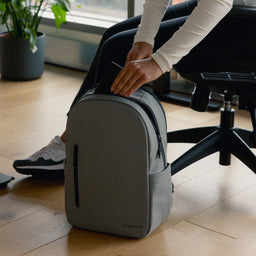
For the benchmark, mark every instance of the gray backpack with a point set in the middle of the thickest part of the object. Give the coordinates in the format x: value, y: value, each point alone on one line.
x: 117, y: 179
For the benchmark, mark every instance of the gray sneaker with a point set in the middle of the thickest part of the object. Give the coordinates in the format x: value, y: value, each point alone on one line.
x: 47, y: 161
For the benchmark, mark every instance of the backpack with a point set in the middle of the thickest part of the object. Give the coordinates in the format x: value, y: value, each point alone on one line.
x: 117, y: 179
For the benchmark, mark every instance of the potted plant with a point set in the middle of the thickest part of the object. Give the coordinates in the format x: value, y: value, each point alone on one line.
x: 22, y: 45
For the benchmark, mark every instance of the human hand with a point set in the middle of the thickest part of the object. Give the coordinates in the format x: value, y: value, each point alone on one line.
x: 134, y: 75
x: 139, y: 51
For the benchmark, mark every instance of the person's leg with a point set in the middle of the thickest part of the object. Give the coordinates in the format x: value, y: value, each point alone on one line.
x: 229, y: 40
x: 50, y: 159
x: 180, y: 10
x: 90, y: 78
x: 114, y: 46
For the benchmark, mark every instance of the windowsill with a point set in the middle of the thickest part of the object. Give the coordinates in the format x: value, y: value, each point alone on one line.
x: 86, y: 22
x: 81, y: 34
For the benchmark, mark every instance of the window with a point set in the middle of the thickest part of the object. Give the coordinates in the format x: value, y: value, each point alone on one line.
x: 107, y: 8
x: 98, y: 13
x: 83, y: 30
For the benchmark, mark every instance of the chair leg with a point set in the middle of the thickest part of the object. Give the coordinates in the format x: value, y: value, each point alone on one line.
x: 205, y: 147
x: 193, y: 135
x: 239, y: 149
x: 224, y: 138
x: 246, y: 136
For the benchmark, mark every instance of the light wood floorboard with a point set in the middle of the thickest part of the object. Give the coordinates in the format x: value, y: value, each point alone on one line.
x: 213, y: 211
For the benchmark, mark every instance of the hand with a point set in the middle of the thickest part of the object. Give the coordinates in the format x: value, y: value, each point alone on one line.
x: 139, y: 51
x: 134, y: 75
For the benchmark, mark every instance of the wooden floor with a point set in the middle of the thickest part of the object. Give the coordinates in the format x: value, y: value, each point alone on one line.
x: 213, y: 211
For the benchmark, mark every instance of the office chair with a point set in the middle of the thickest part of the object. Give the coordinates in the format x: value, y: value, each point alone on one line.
x: 232, y: 77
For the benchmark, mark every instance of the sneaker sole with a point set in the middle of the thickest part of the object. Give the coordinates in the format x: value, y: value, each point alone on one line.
x: 40, y: 172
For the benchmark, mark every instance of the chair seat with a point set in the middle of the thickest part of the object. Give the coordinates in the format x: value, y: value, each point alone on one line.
x: 248, y: 78
x: 232, y: 82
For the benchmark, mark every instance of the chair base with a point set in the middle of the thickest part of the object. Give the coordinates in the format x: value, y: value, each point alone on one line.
x: 224, y: 138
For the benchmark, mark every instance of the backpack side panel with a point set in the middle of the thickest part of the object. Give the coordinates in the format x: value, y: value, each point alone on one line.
x: 160, y: 183
x: 153, y: 103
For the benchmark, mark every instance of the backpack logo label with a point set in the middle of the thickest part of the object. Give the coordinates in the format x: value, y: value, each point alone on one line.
x: 132, y: 226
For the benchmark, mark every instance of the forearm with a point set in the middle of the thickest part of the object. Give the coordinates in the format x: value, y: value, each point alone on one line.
x: 202, y: 20
x: 151, y: 18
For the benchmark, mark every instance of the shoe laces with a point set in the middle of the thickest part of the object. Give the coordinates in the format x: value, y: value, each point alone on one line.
x: 53, y: 150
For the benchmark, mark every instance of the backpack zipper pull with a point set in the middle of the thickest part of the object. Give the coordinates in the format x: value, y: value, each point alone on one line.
x: 159, y: 148
x: 159, y: 152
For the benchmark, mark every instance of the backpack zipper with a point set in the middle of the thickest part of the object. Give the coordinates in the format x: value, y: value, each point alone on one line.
x: 160, y: 150
x: 157, y: 100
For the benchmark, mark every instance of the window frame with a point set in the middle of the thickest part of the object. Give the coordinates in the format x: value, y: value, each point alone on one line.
x: 83, y: 38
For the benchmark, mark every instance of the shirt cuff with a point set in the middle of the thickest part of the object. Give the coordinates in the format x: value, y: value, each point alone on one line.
x: 161, y: 62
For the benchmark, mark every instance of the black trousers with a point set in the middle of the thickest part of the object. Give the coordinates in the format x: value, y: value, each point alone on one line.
x: 229, y: 39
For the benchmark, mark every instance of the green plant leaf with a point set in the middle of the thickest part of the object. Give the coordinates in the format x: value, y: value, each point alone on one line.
x: 5, y: 1
x: 64, y: 4
x: 59, y: 14
x: 22, y: 17
x: 31, y: 36
x: 36, y: 21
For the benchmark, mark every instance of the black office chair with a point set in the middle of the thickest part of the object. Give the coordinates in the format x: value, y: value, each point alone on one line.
x: 234, y: 78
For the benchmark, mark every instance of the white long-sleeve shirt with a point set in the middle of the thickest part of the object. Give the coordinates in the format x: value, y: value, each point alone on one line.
x: 200, y: 22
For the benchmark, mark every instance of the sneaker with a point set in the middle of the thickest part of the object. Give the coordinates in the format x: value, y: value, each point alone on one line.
x: 47, y: 161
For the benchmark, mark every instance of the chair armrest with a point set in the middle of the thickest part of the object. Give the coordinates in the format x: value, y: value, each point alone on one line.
x: 243, y: 11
